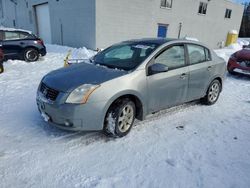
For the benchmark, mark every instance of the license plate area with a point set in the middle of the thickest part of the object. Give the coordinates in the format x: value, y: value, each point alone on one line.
x: 41, y: 107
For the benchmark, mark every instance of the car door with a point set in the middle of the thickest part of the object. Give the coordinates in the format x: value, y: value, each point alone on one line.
x: 200, y: 68
x: 12, y: 43
x: 168, y: 88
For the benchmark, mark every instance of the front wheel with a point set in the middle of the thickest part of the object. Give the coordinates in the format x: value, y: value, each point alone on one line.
x: 213, y: 93
x: 120, y: 118
x: 30, y: 55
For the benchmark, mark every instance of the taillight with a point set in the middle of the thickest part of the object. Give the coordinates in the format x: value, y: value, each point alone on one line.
x: 40, y: 42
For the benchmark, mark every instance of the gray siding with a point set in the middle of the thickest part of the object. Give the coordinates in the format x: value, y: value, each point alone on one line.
x: 121, y: 20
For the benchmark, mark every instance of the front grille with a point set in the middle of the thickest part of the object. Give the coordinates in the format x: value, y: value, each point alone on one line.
x: 48, y: 92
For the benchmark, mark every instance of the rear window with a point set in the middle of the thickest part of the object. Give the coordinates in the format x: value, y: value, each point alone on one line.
x: 198, y: 54
x: 9, y: 35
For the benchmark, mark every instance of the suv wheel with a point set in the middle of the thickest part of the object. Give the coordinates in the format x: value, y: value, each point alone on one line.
x: 120, y: 118
x: 30, y: 55
x: 213, y: 93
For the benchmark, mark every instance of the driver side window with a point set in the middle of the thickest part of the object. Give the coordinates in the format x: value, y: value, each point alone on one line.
x: 173, y: 57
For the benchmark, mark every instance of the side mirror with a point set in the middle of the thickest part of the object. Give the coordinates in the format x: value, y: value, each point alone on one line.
x: 157, y: 68
x: 244, y: 46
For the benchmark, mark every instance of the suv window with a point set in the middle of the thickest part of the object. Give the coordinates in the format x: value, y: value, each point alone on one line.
x: 173, y: 57
x: 10, y: 35
x: 197, y: 54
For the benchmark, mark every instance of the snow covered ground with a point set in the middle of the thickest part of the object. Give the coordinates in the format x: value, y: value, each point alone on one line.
x: 186, y: 146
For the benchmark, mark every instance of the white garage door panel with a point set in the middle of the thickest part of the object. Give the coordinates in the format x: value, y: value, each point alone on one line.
x: 43, y: 22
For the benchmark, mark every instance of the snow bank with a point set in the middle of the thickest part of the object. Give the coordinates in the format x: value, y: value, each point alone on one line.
x: 226, y: 52
x: 212, y: 148
x: 243, y: 41
x: 76, y: 53
x: 235, y: 32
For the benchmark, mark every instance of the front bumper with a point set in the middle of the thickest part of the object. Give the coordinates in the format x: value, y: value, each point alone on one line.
x: 233, y: 66
x: 242, y: 71
x: 85, y: 117
x: 43, y: 51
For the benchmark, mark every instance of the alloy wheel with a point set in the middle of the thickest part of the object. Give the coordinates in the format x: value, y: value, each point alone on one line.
x: 214, y: 92
x: 125, y: 119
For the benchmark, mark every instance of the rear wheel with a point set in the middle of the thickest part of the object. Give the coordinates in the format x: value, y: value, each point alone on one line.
x: 120, y: 118
x: 213, y: 93
x: 30, y: 55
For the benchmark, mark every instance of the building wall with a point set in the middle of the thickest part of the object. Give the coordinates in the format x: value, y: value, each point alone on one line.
x: 121, y: 20
x: 100, y: 23
x: 72, y: 22
x: 7, y: 14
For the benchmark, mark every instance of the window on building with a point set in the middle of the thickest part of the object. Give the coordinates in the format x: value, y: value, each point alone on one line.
x: 173, y: 57
x: 166, y: 3
x: 202, y: 8
x: 228, y: 13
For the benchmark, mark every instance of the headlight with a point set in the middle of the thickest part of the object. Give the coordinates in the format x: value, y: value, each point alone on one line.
x: 81, y: 94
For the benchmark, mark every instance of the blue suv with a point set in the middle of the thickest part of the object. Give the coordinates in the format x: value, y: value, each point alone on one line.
x: 21, y: 44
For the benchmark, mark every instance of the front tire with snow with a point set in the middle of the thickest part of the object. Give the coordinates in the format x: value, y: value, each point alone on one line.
x: 120, y: 118
x: 213, y: 93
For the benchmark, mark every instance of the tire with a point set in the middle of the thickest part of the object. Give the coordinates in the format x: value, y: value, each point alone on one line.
x: 1, y: 68
x: 120, y: 118
x: 213, y: 93
x: 30, y: 55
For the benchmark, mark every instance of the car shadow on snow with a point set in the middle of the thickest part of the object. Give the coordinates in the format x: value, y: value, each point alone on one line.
x: 239, y: 76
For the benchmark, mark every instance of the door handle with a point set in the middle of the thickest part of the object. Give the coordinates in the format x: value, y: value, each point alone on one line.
x: 209, y: 68
x: 22, y: 43
x: 183, y: 76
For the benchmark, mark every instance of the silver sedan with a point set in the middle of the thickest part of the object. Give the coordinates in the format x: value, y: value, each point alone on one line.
x: 130, y: 80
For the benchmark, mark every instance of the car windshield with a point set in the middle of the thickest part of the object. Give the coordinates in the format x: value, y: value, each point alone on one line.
x: 126, y: 56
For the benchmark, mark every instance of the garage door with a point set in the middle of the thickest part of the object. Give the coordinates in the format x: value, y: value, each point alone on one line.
x: 43, y: 22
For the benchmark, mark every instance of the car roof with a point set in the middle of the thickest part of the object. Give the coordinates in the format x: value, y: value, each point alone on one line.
x: 161, y: 41
x: 158, y: 41
x: 13, y: 29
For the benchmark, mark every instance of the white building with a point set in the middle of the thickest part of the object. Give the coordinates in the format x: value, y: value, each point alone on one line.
x: 100, y: 23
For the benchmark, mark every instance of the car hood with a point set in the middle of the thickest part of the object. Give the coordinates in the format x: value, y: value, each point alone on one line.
x: 69, y: 78
x: 243, y: 55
